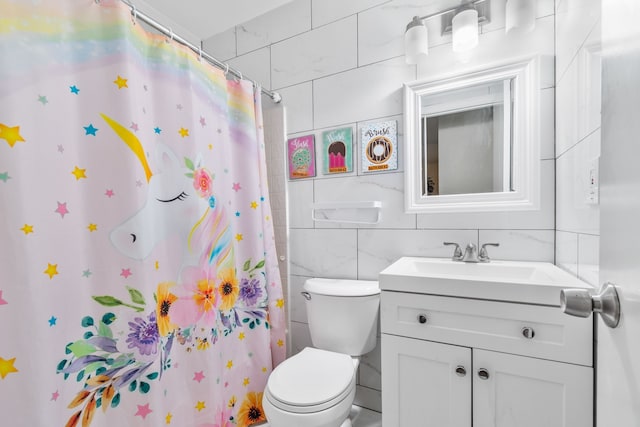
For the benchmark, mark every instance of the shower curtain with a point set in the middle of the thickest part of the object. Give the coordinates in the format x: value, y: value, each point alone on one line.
x: 139, y: 283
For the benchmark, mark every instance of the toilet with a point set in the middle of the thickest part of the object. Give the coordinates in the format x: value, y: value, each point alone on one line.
x: 316, y: 387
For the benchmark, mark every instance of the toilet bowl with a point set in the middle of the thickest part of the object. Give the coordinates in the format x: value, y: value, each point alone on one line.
x: 316, y: 387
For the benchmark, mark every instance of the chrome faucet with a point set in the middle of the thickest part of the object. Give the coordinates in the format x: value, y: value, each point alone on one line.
x: 471, y: 252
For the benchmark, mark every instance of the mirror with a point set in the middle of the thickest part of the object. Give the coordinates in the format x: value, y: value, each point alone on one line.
x: 472, y: 141
x: 468, y: 130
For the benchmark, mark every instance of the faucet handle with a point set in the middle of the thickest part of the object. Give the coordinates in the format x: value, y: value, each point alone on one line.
x: 457, y: 253
x: 484, y: 255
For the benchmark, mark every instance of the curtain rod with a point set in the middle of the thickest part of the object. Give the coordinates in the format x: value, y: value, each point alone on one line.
x: 275, y: 96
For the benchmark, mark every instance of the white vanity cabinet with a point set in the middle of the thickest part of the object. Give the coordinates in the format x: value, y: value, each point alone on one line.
x: 420, y: 386
x: 460, y: 362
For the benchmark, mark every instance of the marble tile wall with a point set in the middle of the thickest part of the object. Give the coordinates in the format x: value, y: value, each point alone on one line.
x: 578, y: 105
x: 341, y: 63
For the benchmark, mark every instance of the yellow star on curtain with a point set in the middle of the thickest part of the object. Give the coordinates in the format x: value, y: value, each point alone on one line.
x: 11, y: 134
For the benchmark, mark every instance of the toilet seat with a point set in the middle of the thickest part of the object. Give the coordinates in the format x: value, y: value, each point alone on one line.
x: 311, y: 381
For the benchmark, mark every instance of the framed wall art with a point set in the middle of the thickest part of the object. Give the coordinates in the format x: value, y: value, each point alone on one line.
x: 301, y: 155
x: 337, y: 151
x: 379, y: 146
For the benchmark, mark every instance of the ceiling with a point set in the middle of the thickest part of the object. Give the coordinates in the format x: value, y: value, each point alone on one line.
x: 197, y: 20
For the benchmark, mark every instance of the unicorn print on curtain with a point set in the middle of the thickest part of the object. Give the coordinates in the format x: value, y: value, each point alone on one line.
x: 139, y: 283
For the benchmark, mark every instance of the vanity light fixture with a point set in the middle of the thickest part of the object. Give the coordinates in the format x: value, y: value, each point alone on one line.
x: 520, y: 16
x: 416, y: 41
x: 463, y: 21
x: 465, y: 28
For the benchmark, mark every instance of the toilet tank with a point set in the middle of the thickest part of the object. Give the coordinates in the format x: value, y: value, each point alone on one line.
x: 343, y: 314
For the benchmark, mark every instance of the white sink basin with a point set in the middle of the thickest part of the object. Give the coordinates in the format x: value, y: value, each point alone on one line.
x: 517, y: 281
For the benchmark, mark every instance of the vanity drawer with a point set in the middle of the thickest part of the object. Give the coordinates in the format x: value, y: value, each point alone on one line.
x: 490, y: 325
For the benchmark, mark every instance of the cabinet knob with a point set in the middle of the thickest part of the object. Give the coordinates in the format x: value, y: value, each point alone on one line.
x: 422, y: 318
x: 461, y: 371
x: 528, y: 332
x: 483, y: 374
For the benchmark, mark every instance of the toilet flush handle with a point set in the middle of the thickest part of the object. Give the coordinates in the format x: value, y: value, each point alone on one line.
x: 307, y: 295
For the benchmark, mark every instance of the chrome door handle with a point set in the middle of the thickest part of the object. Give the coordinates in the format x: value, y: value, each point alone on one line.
x: 580, y: 303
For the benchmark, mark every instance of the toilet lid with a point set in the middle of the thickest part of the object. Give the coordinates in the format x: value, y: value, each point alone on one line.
x: 311, y: 378
x: 342, y: 287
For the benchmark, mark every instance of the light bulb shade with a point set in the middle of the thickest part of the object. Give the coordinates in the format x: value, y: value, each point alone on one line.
x: 416, y: 42
x: 520, y: 16
x: 465, y: 30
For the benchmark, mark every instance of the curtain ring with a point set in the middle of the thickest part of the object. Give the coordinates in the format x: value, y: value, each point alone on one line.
x: 240, y: 75
x: 226, y: 70
x: 200, y: 58
x: 170, y: 35
x: 134, y: 14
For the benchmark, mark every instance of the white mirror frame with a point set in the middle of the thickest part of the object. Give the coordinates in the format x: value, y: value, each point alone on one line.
x: 526, y: 143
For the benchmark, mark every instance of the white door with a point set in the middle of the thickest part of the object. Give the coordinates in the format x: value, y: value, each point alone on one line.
x: 510, y: 390
x: 425, y: 384
x: 618, y: 366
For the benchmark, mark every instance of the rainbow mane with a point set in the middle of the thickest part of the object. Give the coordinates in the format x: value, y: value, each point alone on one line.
x: 211, y: 235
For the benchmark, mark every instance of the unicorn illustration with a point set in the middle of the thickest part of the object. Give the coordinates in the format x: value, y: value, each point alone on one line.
x: 176, y: 193
x: 208, y: 302
x: 209, y: 286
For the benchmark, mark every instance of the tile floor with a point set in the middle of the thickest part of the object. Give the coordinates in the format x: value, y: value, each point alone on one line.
x: 361, y: 417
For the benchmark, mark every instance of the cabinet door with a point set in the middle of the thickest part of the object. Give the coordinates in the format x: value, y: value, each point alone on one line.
x: 527, y: 392
x: 420, y: 385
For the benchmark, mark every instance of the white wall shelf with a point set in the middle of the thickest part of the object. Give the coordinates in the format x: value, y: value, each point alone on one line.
x: 365, y: 212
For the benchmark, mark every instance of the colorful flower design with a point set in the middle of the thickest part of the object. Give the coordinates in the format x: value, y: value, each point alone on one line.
x: 250, y: 291
x: 228, y: 288
x: 199, y: 300
x: 202, y: 182
x: 144, y: 335
x: 205, y: 297
x: 105, y: 371
x: 251, y: 411
x: 202, y: 343
x: 232, y: 402
x: 165, y: 299
x: 202, y: 310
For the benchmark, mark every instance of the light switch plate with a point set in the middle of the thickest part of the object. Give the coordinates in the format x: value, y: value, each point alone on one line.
x: 593, y: 186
